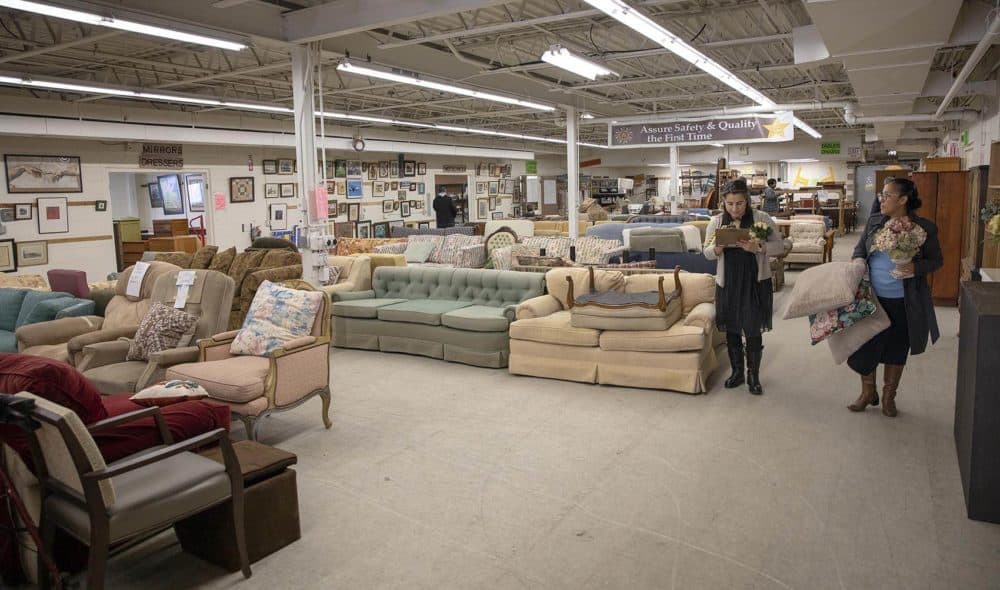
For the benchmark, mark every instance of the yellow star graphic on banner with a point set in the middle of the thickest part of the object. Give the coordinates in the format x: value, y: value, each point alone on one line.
x: 775, y: 129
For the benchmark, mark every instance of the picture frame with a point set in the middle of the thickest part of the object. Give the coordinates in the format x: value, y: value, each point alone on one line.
x: 343, y: 229
x: 195, y: 184
x: 492, y: 170
x: 53, y: 215
x: 423, y: 225
x: 341, y: 188
x: 364, y: 167
x: 417, y: 205
x: 287, y: 190
x: 480, y: 188
x: 516, y: 211
x: 383, y: 169
x: 413, y: 186
x: 372, y: 172
x: 421, y: 188
x: 241, y: 189
x: 364, y: 228
x: 277, y: 215
x: 341, y: 208
x: 497, y: 215
x: 494, y: 188
x: 354, y: 168
x: 331, y: 209
x: 421, y: 168
x: 286, y: 166
x: 173, y: 196
x: 394, y: 169
x: 378, y: 189
x: 354, y: 189
x: 409, y: 168
x: 386, y: 206
x: 99, y: 205
x: 395, y: 205
x: 8, y: 256
x: 404, y: 208
x: 272, y: 190
x: 34, y: 253
x: 482, y: 209
x: 353, y: 211
x: 394, y: 186
x: 493, y: 203
x: 43, y: 174
x: 380, y: 229
x: 270, y: 166
x: 401, y: 195
x: 340, y: 168
x: 7, y: 213
x: 155, y: 198
x: 507, y: 186
x: 22, y: 211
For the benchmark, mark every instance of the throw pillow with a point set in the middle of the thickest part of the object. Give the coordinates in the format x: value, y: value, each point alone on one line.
x: 166, y: 393
x: 277, y: 315
x: 824, y: 324
x: 419, y: 251
x: 844, y: 344
x: 242, y: 264
x: 223, y: 260
x: 181, y: 259
x: 548, y: 261
x: 332, y: 274
x: 639, y: 264
x: 203, y: 257
x: 825, y: 287
x: 162, y: 328
x: 277, y: 258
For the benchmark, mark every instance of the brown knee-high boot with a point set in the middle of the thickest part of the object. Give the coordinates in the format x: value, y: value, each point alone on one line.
x: 893, y: 373
x: 869, y: 394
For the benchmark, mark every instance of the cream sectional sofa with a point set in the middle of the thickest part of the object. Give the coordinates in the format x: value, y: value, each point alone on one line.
x: 543, y: 343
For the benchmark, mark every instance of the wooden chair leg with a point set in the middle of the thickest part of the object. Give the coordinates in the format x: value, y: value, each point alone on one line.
x: 239, y: 531
x: 325, y: 395
x: 250, y: 424
x: 98, y: 562
x: 47, y: 528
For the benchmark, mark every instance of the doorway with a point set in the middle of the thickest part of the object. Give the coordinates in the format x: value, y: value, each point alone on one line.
x: 455, y: 186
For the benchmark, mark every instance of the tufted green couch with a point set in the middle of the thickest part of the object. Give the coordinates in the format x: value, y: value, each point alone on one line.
x: 456, y: 314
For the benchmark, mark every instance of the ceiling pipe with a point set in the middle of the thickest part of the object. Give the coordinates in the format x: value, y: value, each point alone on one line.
x: 674, y: 115
x: 970, y: 64
x: 853, y: 119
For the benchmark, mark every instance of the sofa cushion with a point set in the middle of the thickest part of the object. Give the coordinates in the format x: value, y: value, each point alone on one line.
x: 203, y: 257
x: 116, y: 377
x: 558, y: 287
x: 181, y: 259
x: 53, y: 380
x: 362, y: 308
x: 236, y: 379
x: 477, y: 318
x: 438, y: 241
x: 695, y: 287
x: 451, y: 247
x: 419, y: 311
x: 223, y: 260
x: 278, y: 258
x: 554, y: 329
x: 243, y: 263
x: 677, y: 338
x: 31, y: 313
x: 419, y: 251
x: 808, y: 247
x: 8, y: 341
x: 10, y: 307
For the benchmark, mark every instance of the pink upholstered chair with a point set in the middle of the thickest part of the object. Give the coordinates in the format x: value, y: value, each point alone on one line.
x: 73, y: 282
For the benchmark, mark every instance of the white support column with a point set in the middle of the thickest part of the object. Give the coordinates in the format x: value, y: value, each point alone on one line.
x: 675, y: 179
x: 305, y: 151
x: 572, y: 173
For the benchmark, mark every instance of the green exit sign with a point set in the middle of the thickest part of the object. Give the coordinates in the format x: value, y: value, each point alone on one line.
x: 830, y: 148
x: 531, y: 167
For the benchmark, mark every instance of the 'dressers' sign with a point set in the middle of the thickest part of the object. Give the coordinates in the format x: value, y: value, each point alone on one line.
x: 168, y: 156
x: 743, y: 129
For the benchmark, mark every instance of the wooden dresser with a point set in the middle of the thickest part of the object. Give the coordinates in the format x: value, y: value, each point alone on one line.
x: 944, y: 200
x: 188, y: 244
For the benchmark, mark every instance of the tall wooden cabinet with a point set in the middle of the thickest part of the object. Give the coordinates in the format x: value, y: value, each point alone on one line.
x: 944, y: 199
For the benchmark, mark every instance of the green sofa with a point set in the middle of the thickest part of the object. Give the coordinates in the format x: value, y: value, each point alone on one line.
x: 456, y: 314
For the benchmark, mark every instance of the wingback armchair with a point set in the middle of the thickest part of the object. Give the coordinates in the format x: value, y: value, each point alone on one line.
x: 106, y: 364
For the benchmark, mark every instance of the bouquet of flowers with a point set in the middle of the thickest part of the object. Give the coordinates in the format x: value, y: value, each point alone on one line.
x: 991, y: 215
x: 760, y: 231
x: 900, y: 239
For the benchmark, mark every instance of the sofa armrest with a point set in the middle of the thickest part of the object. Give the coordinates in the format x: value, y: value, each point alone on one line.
x: 174, y: 356
x: 80, y: 308
x: 56, y: 331
x: 701, y: 315
x: 537, y: 307
x: 100, y: 354
x: 293, y: 345
x: 224, y: 337
x: 216, y: 347
x: 77, y: 343
x: 351, y: 295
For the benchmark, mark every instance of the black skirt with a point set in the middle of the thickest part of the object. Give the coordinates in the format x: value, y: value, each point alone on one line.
x: 890, y: 346
x: 745, y: 304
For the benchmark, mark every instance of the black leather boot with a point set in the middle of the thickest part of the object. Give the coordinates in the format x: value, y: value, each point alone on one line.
x: 734, y: 342
x: 755, y: 348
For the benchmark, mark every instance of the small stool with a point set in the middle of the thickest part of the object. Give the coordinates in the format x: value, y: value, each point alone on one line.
x: 271, y: 509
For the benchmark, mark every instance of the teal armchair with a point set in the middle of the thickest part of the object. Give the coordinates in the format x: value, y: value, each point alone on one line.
x: 20, y: 307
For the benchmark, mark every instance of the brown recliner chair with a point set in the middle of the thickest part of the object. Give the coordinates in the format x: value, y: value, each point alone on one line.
x: 64, y: 339
x: 210, y: 298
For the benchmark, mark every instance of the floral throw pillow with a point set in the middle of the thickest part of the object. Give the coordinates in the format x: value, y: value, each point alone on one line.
x: 822, y: 325
x: 162, y: 328
x: 277, y: 315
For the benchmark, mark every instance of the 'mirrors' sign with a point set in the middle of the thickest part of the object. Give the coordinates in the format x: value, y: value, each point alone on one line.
x: 742, y: 129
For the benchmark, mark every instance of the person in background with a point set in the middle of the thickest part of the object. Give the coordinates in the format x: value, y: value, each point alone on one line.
x: 743, y: 292
x: 907, y: 301
x: 770, y: 205
x: 444, y: 209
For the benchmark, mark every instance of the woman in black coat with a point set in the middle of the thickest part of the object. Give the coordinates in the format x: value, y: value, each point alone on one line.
x: 906, y: 301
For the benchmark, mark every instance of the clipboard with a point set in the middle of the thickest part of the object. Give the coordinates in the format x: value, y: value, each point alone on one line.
x: 728, y: 237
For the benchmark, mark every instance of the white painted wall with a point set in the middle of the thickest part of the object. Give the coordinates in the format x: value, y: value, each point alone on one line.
x: 123, y: 196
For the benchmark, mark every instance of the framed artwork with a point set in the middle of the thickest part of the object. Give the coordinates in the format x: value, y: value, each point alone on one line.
x: 401, y: 195
x: 53, y: 215
x: 353, y: 211
x: 483, y: 208
x: 353, y: 168
x: 343, y: 229
x: 32, y: 253
x: 378, y: 189
x: 43, y: 174
x: 365, y: 229
x: 272, y: 190
x: 394, y: 169
x: 372, y: 172
x: 354, y: 190
x: 241, y: 189
x: 341, y: 208
x: 423, y: 225
x: 287, y: 190
x: 494, y: 187
x: 505, y: 170
x: 404, y: 208
x: 498, y: 215
x: 480, y: 188
x: 493, y: 170
x: 409, y: 168
x: 170, y: 190
x: 417, y: 205
x: 196, y: 191
x: 340, y: 168
x: 364, y: 167
x: 6, y: 213
x: 341, y: 188
x: 277, y: 215
x: 286, y: 166
x: 380, y: 229
x: 421, y: 168
x: 331, y: 209
x: 155, y: 199
x: 386, y: 206
x: 508, y: 186
x: 99, y: 206
x: 421, y: 188
x: 22, y: 211
x: 394, y: 185
x: 383, y: 169
x: 270, y: 166
x: 493, y: 203
x: 8, y: 257
x: 517, y: 211
x: 413, y: 186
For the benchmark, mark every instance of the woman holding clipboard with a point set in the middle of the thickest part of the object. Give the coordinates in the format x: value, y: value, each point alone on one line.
x: 742, y: 240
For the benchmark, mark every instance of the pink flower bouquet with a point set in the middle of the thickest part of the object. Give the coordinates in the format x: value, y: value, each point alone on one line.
x: 900, y: 239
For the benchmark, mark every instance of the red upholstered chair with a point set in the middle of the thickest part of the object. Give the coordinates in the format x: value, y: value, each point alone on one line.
x: 73, y: 282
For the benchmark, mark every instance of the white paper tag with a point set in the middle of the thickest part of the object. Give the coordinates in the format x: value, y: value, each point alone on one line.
x: 182, y: 297
x: 134, y: 286
x: 185, y: 277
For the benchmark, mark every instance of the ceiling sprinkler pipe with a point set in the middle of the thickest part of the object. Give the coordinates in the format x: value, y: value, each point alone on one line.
x: 673, y: 116
x: 970, y: 64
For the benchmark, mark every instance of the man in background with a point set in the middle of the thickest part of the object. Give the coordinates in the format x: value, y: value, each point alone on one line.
x: 444, y: 209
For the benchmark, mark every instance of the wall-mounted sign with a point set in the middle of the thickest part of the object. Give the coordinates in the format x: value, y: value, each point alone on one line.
x: 454, y: 168
x: 531, y: 166
x: 589, y: 163
x: 854, y: 152
x: 167, y: 156
x: 830, y: 148
x: 742, y: 129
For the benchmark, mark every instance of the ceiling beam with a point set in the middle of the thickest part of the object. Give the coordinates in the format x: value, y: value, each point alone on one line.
x: 59, y: 46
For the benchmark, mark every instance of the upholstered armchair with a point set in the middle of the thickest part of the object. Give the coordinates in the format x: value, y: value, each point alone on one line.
x: 106, y: 364
x: 255, y: 386
x: 809, y: 242
x: 355, y: 275
x: 63, y: 339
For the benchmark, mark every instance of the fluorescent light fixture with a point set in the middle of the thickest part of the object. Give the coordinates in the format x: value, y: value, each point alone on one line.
x: 805, y: 127
x: 115, y: 23
x: 739, y: 163
x: 716, y: 145
x: 800, y: 160
x: 563, y: 58
x: 586, y: 115
x: 440, y: 86
x: 531, y: 177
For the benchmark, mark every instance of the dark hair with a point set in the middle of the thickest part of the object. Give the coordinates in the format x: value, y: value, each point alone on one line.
x: 772, y: 182
x: 737, y: 187
x: 908, y: 189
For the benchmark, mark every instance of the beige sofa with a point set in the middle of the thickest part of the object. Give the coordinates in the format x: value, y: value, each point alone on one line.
x: 544, y: 344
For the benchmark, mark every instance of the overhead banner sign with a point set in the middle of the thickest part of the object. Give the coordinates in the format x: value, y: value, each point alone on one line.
x: 740, y: 129
x: 169, y: 156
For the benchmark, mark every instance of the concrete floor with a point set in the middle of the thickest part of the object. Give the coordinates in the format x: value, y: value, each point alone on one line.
x: 439, y: 475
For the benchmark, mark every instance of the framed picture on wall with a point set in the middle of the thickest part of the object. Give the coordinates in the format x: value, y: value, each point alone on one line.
x: 32, y: 253
x: 372, y: 172
x: 497, y: 215
x: 340, y: 168
x: 286, y: 166
x: 507, y: 186
x: 341, y: 188
x: 272, y: 190
x: 409, y: 168
x: 43, y: 174
x: 155, y: 199
x: 417, y: 205
x: 401, y: 195
x: 365, y: 229
x: 421, y: 188
x: 277, y: 215
x: 394, y: 185
x: 8, y: 257
x: 421, y: 168
x: 516, y: 211
x: 270, y: 166
x: 383, y: 169
x: 386, y: 206
x: 287, y: 190
x: 378, y: 189
x: 494, y: 187
x: 393, y: 169
x: 53, y: 215
x: 413, y: 186
x: 240, y: 189
x: 170, y: 190
x: 483, y: 209
x: 423, y: 225
x: 22, y: 211
x: 353, y: 168
x: 343, y: 229
x: 480, y: 188
x: 404, y: 209
x: 331, y: 209
x: 353, y: 211
x: 101, y: 205
x: 493, y: 170
x: 341, y: 208
x: 6, y: 213
x: 380, y: 229
x: 196, y: 191
x: 396, y: 223
x: 493, y: 203
x: 354, y: 189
